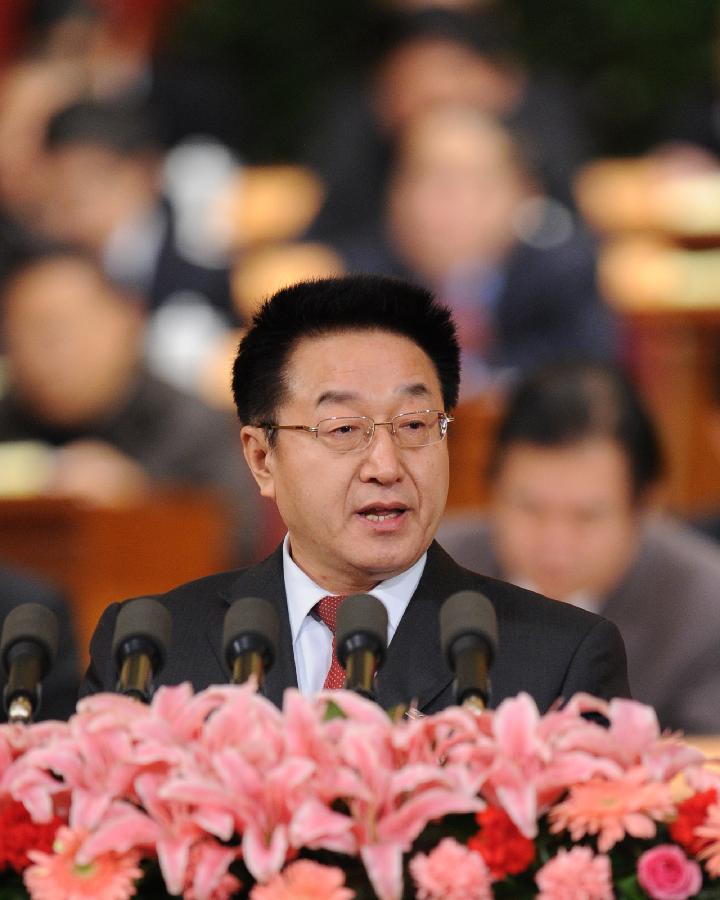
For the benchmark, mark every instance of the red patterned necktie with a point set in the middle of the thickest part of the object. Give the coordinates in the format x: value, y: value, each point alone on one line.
x: 327, y: 610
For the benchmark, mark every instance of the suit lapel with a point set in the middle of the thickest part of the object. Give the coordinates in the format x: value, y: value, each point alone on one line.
x: 266, y: 580
x: 415, y: 671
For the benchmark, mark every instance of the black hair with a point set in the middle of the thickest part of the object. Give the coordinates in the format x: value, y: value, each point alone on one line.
x: 126, y: 128
x: 36, y: 253
x: 313, y: 309
x: 566, y: 404
x: 490, y: 33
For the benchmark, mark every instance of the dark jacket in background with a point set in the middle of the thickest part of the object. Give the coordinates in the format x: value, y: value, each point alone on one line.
x: 175, y: 437
x: 667, y: 608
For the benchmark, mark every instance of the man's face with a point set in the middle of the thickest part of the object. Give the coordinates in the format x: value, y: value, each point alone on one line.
x: 72, y: 345
x: 563, y: 518
x: 454, y: 194
x: 354, y: 518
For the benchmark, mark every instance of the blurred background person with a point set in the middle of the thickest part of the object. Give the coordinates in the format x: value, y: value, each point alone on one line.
x: 60, y: 687
x: 112, y: 192
x: 573, y: 471
x: 425, y: 57
x: 78, y: 389
x: 466, y: 216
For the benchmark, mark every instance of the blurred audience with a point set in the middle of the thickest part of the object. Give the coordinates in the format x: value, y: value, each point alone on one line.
x: 123, y: 49
x: 60, y: 687
x: 149, y: 219
x: 76, y: 385
x: 261, y: 272
x: 425, y: 57
x: 465, y: 216
x: 573, y: 472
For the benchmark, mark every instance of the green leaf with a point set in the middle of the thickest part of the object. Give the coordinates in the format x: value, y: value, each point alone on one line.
x: 628, y: 889
x: 333, y: 711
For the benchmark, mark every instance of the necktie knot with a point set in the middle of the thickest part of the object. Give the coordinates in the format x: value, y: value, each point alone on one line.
x: 327, y: 609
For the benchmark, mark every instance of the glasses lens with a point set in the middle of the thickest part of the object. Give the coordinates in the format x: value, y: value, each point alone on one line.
x: 417, y: 429
x: 345, y: 434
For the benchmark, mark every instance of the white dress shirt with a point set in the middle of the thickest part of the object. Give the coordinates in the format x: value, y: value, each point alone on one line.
x: 312, y: 639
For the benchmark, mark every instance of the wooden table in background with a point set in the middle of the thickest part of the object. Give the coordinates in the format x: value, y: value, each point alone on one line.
x: 470, y: 437
x: 102, y: 555
x: 675, y: 358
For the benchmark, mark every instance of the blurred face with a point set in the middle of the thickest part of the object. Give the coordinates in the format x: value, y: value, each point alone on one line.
x: 454, y: 194
x: 71, y: 344
x: 563, y: 518
x: 93, y: 191
x: 354, y: 518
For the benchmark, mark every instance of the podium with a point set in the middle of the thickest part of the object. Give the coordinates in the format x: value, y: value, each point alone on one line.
x: 99, y: 555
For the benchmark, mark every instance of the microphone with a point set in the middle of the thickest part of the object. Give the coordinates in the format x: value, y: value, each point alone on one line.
x: 469, y: 639
x: 250, y: 639
x: 139, y: 647
x: 28, y: 646
x: 361, y: 641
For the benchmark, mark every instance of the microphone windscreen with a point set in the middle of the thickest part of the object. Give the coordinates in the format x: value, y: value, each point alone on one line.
x: 30, y: 622
x: 255, y: 619
x: 144, y: 620
x: 361, y: 614
x: 467, y: 613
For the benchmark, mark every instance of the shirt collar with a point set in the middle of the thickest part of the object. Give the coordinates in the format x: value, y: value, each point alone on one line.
x: 303, y: 593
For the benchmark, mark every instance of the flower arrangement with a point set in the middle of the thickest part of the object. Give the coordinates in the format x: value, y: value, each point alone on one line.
x: 219, y: 794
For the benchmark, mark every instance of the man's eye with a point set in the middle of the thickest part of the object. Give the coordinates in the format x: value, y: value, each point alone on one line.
x: 414, y: 425
x: 338, y: 432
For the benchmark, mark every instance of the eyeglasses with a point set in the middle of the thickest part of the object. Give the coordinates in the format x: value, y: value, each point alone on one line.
x: 345, y: 433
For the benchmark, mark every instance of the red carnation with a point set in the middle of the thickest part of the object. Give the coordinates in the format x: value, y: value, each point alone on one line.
x: 505, y: 850
x: 691, y: 813
x: 18, y: 834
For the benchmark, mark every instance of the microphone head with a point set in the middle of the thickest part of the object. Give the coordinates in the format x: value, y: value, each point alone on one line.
x: 251, y: 624
x: 362, y: 622
x: 147, y: 624
x: 467, y: 614
x: 29, y: 622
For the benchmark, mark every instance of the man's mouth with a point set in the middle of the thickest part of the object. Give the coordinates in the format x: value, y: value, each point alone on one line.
x: 376, y: 514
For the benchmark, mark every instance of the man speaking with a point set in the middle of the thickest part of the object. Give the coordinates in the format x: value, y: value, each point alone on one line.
x: 345, y: 389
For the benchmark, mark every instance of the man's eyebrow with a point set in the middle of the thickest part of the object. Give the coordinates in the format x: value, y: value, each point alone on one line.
x: 337, y: 397
x: 414, y: 390
x: 417, y: 389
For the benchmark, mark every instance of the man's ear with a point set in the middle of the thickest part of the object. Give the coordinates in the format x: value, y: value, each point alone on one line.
x: 258, y: 457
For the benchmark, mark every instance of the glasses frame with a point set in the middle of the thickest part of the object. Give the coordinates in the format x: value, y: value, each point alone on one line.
x: 443, y: 420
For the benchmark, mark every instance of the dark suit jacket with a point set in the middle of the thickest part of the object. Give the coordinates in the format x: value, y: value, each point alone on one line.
x: 545, y: 648
x: 548, y: 308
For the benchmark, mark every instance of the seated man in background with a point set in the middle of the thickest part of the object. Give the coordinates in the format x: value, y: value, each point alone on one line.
x: 466, y: 217
x: 572, y: 471
x: 148, y: 216
x: 59, y: 690
x: 77, y: 388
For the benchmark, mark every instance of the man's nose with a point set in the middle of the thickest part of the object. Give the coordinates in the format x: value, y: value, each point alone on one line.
x: 382, y: 460
x: 558, y: 540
